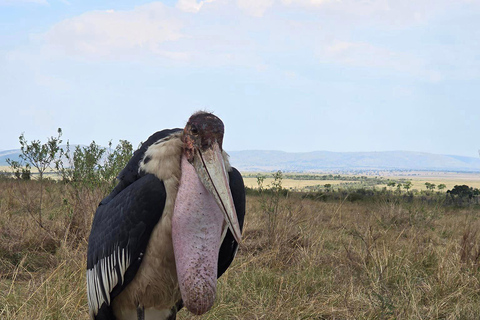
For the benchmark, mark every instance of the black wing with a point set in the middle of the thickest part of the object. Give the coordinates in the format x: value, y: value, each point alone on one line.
x: 229, y: 246
x: 121, y: 230
x: 120, y: 233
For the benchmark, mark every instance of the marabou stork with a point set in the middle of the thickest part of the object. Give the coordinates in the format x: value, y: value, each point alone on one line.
x: 169, y: 228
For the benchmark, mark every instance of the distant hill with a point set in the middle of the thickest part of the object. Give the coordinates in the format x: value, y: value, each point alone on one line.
x: 12, y: 154
x: 258, y: 160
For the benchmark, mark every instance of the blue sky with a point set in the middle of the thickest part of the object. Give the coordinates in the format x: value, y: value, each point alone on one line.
x: 291, y: 75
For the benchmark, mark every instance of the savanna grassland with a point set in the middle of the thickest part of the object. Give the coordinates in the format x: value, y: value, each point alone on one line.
x: 302, y: 182
x: 303, y: 257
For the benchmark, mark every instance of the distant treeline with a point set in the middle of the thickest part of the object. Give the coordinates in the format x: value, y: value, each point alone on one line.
x: 315, y: 177
x: 459, y: 195
x: 352, y: 181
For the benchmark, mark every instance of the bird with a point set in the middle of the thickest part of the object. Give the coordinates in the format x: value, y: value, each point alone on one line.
x: 170, y: 227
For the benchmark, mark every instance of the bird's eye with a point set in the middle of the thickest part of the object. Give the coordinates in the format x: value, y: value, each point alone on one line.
x: 194, y: 130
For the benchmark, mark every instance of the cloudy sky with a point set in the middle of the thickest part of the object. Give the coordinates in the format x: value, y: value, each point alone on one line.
x: 291, y: 75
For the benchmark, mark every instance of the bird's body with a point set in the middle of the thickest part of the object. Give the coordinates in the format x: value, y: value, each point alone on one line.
x: 136, y: 258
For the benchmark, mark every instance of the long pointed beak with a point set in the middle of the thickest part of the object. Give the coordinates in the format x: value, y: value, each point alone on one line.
x: 210, y: 168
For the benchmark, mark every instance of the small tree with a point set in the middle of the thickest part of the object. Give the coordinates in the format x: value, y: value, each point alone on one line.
x: 270, y: 199
x: 20, y: 170
x: 94, y: 166
x: 40, y: 156
x: 116, y: 160
x: 441, y: 186
x: 86, y: 164
x: 399, y: 187
x: 407, y: 185
x: 328, y: 187
x: 462, y: 193
x: 260, y: 181
x: 430, y: 186
x: 91, y: 170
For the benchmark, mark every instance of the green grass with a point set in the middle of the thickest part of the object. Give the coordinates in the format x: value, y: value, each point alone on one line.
x: 325, y: 260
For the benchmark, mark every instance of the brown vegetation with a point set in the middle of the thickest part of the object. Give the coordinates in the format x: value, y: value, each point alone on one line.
x: 325, y: 260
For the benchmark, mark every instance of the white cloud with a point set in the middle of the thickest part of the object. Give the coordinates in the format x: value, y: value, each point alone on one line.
x: 255, y: 8
x: 324, y: 34
x: 154, y: 32
x: 191, y: 5
x: 116, y: 33
x: 308, y: 2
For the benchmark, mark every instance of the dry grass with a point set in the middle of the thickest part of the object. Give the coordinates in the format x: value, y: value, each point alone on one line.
x: 341, y: 260
x: 42, y: 267
x: 354, y: 261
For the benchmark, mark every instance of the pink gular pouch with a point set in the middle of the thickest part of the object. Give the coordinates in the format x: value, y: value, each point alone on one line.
x: 197, y: 226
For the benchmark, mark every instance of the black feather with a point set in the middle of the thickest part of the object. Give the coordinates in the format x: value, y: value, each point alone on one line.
x: 126, y: 222
x: 229, y: 245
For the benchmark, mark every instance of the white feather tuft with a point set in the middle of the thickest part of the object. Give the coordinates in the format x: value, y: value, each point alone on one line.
x: 104, y: 276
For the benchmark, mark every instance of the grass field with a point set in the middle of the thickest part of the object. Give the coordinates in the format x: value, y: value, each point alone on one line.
x: 381, y: 259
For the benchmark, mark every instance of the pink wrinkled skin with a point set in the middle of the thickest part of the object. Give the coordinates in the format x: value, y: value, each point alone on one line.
x: 196, y: 231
